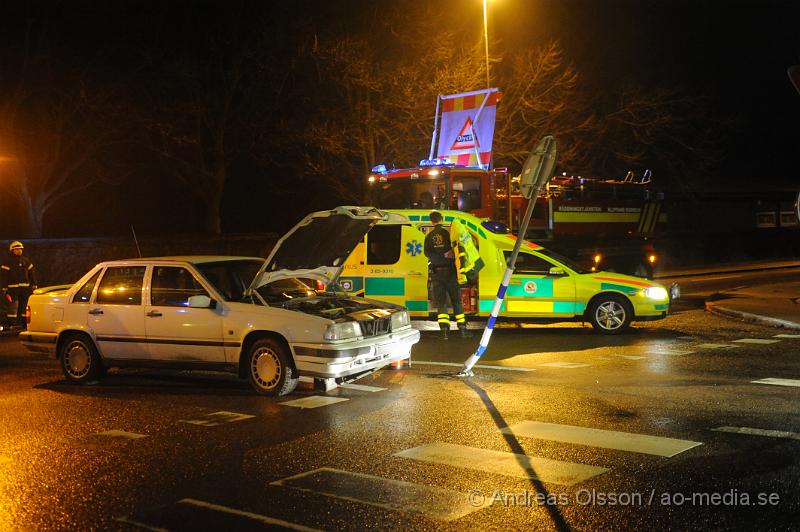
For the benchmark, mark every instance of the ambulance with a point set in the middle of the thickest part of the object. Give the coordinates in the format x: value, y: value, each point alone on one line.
x: 390, y: 265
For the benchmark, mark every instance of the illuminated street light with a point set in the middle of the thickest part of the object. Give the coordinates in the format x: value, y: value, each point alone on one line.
x: 486, y: 39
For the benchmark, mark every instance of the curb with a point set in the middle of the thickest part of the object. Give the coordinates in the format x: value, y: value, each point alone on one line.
x: 752, y: 318
x: 666, y: 276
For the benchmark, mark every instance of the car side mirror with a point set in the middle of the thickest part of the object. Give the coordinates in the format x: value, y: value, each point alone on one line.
x: 202, y: 301
x: 555, y: 271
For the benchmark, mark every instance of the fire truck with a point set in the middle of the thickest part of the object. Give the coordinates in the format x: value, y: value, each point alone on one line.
x: 609, y: 224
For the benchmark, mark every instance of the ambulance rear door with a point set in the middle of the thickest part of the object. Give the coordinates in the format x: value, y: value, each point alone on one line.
x: 396, y: 269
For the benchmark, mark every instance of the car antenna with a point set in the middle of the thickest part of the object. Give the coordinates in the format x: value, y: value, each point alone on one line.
x: 136, y: 241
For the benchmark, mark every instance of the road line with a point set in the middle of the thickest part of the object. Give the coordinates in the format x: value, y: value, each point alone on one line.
x: 314, y: 401
x: 630, y: 357
x: 361, y: 387
x: 777, y: 382
x: 756, y: 341
x: 255, y: 517
x: 398, y: 495
x: 120, y: 434
x: 566, y: 365
x: 673, y: 352
x: 759, y: 432
x: 717, y: 346
x: 217, y: 418
x: 140, y: 525
x: 461, y: 365
x: 605, y: 439
x: 503, y: 463
x: 787, y: 336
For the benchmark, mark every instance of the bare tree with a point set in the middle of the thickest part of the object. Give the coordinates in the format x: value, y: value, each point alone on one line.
x: 54, y: 128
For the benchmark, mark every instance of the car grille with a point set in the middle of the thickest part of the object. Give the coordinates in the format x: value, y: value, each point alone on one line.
x: 374, y: 327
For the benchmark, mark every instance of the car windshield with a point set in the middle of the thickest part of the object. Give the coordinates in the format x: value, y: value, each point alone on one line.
x: 566, y: 261
x: 230, y: 277
x: 283, y: 290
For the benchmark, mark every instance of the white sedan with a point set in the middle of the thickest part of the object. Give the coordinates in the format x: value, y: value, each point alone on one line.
x: 239, y: 314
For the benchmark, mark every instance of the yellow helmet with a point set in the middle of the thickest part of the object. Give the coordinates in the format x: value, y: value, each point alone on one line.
x: 16, y: 244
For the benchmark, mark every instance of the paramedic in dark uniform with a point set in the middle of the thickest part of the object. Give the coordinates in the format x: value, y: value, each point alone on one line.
x: 17, y: 279
x: 444, y: 279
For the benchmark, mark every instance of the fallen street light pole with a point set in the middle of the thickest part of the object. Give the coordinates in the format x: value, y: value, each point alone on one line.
x: 536, y: 173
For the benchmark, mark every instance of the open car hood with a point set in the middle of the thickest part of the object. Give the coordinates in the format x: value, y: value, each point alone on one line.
x: 318, y: 246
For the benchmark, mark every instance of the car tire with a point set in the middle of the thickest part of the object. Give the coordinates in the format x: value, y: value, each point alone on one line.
x: 610, y: 314
x: 80, y: 361
x: 269, y: 368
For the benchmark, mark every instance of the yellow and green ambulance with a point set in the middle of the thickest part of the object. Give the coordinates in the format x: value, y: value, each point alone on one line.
x: 389, y: 265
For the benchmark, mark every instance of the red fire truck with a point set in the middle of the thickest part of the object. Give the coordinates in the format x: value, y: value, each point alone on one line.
x: 604, y: 223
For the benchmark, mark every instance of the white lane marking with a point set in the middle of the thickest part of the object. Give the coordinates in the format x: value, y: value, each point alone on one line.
x: 314, y: 401
x: 787, y: 336
x: 777, y: 382
x: 717, y: 346
x: 255, y: 517
x: 120, y: 434
x: 756, y: 341
x: 217, y: 418
x: 630, y: 357
x: 398, y: 495
x: 567, y: 365
x: 605, y: 439
x: 673, y: 352
x: 461, y: 365
x: 503, y: 463
x: 143, y: 526
x: 759, y: 432
x: 361, y: 387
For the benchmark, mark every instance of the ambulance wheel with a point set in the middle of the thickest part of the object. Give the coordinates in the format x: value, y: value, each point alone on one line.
x: 270, y: 368
x: 610, y: 314
x: 79, y: 359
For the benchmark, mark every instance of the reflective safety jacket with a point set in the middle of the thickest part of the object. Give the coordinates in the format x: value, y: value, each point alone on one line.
x: 17, y: 272
x: 468, y: 259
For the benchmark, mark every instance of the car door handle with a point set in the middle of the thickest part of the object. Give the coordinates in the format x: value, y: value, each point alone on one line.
x: 412, y: 272
x: 95, y: 311
x: 154, y: 314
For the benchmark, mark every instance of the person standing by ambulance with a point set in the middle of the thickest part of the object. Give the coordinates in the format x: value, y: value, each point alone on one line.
x: 17, y: 279
x: 444, y: 279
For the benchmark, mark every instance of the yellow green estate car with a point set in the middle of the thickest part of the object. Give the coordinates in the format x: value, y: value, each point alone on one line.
x: 389, y: 265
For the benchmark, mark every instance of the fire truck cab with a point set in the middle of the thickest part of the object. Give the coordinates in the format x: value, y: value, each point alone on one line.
x: 602, y: 223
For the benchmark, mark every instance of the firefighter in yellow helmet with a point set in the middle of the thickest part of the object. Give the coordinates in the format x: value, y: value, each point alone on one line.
x: 17, y: 280
x: 443, y: 276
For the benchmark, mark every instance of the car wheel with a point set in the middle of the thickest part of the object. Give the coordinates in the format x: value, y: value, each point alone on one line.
x: 270, y: 368
x: 610, y: 314
x: 80, y: 360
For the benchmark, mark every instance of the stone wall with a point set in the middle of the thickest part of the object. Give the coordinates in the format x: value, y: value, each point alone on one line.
x: 65, y: 260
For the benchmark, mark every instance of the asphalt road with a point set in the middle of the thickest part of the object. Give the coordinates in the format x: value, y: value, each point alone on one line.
x: 661, y: 428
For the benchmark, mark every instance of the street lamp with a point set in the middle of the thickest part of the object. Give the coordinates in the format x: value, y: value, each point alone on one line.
x: 486, y: 39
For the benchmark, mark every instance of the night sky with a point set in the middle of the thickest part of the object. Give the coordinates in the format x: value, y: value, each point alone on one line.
x: 734, y: 52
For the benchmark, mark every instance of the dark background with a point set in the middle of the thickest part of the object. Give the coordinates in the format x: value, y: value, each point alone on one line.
x: 736, y: 51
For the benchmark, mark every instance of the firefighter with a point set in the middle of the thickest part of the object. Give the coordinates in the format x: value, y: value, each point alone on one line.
x: 443, y: 275
x: 17, y: 279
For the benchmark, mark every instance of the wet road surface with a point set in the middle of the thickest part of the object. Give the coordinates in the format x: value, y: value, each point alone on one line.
x: 690, y: 422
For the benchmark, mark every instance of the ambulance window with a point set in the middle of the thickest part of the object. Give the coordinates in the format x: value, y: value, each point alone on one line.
x: 527, y: 263
x: 383, y: 244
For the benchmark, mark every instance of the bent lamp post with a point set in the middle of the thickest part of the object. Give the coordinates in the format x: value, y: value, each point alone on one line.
x: 536, y: 173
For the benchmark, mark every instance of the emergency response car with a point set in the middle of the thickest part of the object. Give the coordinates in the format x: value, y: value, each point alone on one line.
x: 389, y: 265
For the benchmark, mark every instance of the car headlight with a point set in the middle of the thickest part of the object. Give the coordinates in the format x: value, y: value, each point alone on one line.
x: 400, y: 320
x: 655, y: 292
x: 343, y: 330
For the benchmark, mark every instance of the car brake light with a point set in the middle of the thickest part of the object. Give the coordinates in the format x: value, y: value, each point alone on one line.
x: 320, y: 285
x: 28, y: 314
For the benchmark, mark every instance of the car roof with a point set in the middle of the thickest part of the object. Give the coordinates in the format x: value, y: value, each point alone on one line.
x: 192, y: 259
